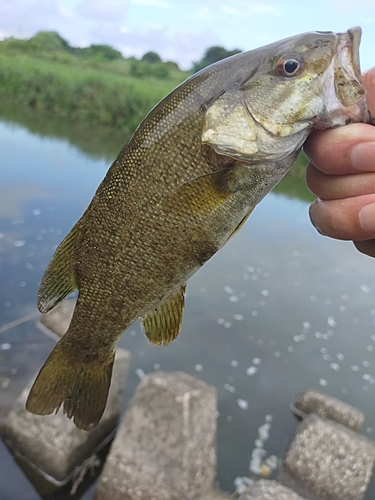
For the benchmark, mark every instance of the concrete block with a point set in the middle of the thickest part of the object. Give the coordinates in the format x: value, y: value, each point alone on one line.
x: 214, y: 494
x: 330, y: 460
x: 312, y: 401
x: 269, y: 490
x: 165, y: 446
x: 52, y: 443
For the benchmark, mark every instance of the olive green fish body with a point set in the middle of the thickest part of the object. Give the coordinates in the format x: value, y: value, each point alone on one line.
x: 181, y: 187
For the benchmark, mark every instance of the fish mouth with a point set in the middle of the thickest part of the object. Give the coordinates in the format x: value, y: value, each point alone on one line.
x: 348, y: 79
x: 354, y: 35
x: 341, y: 84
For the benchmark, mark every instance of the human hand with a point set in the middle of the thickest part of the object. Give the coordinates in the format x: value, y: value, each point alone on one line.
x: 341, y: 172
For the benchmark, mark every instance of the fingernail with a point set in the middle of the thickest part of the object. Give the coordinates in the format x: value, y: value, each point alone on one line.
x: 367, y: 218
x: 363, y: 156
x: 313, y: 212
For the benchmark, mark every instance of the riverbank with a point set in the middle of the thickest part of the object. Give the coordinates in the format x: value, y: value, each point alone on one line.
x: 82, y: 93
x: 93, y: 96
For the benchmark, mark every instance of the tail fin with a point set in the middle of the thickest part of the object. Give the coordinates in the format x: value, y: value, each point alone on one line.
x: 80, y: 385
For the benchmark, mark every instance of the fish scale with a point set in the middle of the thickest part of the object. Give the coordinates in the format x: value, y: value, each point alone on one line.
x: 182, y: 186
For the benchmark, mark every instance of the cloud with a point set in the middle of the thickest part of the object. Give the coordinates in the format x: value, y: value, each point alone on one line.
x: 172, y: 45
x: 97, y: 21
x: 23, y: 18
x: 153, y: 3
x: 183, y: 36
x: 368, y: 5
x: 186, y: 47
x: 78, y: 23
x: 111, y: 11
x: 250, y: 9
x: 204, y: 13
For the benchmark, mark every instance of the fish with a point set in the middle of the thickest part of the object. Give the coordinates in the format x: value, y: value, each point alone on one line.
x: 182, y: 186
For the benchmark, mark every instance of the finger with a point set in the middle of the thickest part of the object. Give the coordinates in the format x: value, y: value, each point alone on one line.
x: 344, y: 150
x: 335, y: 187
x: 369, y: 84
x: 347, y: 219
x: 332, y: 150
x: 367, y: 247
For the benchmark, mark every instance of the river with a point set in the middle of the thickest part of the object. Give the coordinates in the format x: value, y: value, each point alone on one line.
x: 278, y: 310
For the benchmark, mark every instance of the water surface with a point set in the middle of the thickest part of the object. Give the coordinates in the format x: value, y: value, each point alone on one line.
x: 280, y: 309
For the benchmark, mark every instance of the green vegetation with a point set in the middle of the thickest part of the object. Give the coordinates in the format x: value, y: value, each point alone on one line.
x: 93, y: 84
x: 151, y: 57
x: 83, y: 94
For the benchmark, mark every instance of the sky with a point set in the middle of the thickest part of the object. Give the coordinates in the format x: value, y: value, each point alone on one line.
x: 181, y: 30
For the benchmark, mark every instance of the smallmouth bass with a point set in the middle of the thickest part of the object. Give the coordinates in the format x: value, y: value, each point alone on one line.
x: 183, y: 185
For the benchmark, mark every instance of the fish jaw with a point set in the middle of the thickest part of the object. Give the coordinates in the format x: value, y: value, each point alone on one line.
x: 269, y: 116
x: 341, y: 85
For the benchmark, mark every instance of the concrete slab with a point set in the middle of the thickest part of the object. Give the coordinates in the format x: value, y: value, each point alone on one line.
x: 330, y: 460
x: 165, y: 447
x: 312, y: 401
x: 52, y: 443
x: 269, y: 490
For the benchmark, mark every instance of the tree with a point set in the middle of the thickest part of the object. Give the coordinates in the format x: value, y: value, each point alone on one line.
x: 212, y: 55
x: 145, y: 69
x: 100, y: 52
x: 151, y: 57
x: 48, y: 41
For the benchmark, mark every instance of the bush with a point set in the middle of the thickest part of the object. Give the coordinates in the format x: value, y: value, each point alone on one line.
x: 144, y: 69
x: 151, y: 57
x: 48, y: 41
x: 104, y: 52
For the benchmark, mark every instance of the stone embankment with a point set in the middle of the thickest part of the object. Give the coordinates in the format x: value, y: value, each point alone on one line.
x: 165, y: 444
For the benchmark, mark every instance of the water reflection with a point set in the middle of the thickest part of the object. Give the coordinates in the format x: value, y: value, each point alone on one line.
x: 278, y: 310
x: 96, y: 142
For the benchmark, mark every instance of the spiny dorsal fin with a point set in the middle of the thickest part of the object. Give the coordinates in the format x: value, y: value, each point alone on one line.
x: 163, y: 323
x: 59, y: 280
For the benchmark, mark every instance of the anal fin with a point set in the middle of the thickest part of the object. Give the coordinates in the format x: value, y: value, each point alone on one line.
x: 163, y: 323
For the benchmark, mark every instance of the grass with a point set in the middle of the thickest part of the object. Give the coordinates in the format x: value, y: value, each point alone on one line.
x: 93, y: 96
x: 93, y: 91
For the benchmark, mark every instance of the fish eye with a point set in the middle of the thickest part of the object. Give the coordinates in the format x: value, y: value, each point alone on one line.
x: 289, y: 65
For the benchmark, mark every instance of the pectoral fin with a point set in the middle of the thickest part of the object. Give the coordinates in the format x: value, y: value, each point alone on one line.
x: 204, y: 194
x: 162, y: 324
x: 241, y: 224
x: 59, y: 280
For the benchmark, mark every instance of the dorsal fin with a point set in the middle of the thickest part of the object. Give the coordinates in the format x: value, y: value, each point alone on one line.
x: 163, y: 323
x: 59, y: 280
